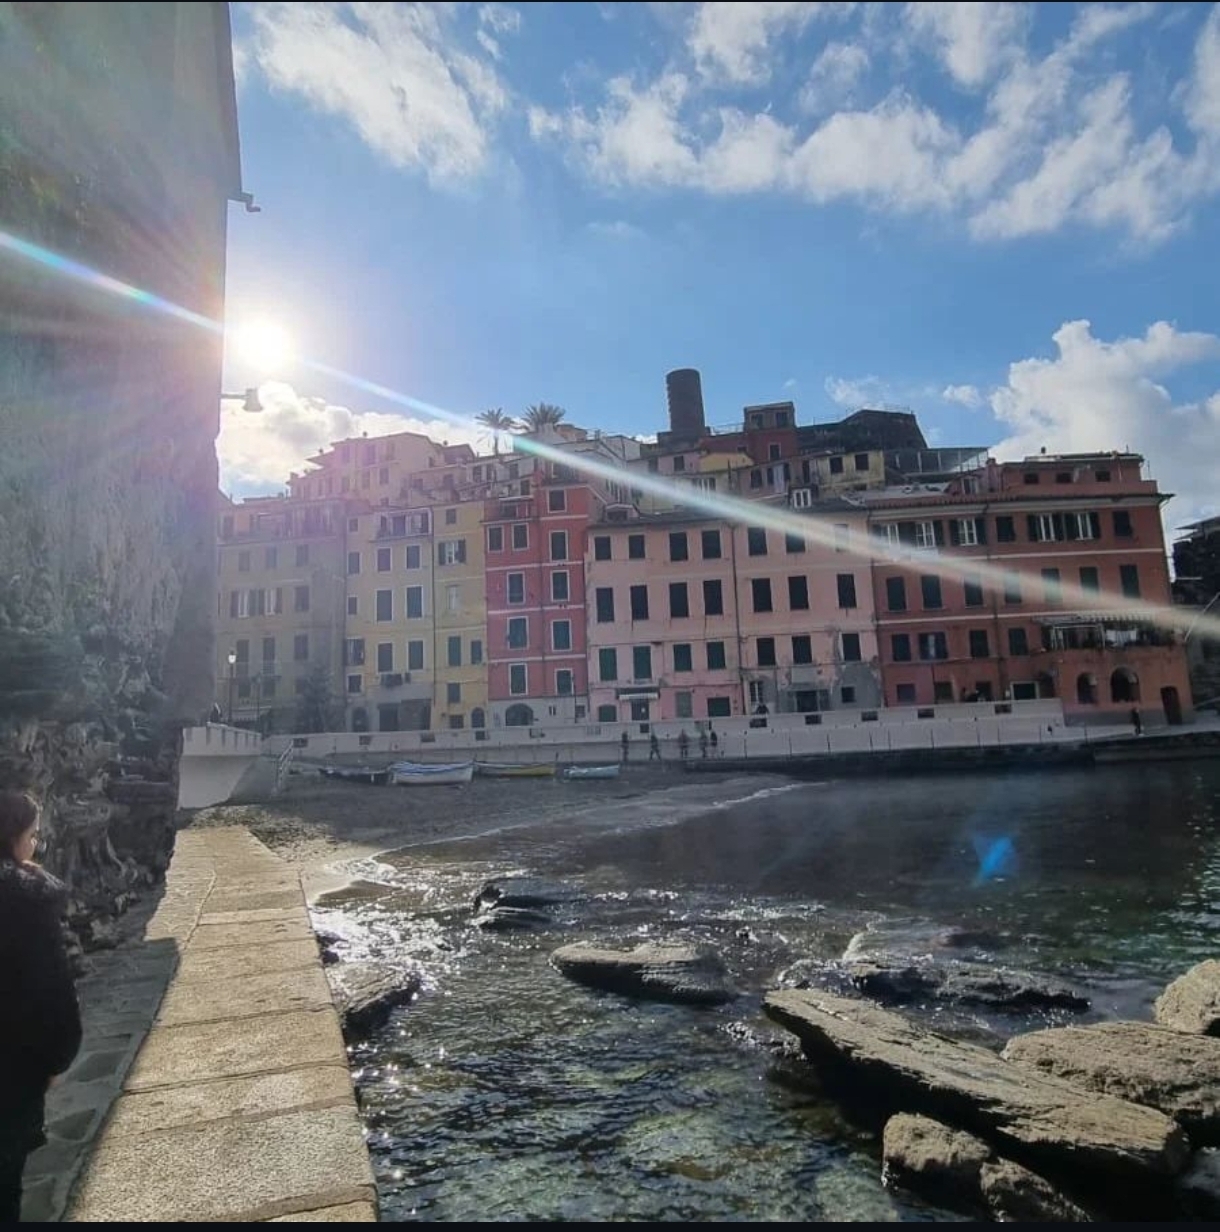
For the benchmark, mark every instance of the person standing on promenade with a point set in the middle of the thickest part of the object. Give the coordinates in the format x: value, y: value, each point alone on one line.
x: 654, y: 748
x: 1136, y: 721
x: 623, y: 741
x: 40, y: 1027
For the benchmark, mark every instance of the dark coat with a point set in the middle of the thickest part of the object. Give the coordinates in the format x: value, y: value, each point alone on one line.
x: 40, y: 1026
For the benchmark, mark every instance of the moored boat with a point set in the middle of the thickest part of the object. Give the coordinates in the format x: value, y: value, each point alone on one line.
x: 608, y: 771
x: 512, y: 770
x: 356, y: 774
x: 415, y: 774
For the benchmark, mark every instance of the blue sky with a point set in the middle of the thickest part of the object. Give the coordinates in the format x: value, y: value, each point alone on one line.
x: 1003, y: 216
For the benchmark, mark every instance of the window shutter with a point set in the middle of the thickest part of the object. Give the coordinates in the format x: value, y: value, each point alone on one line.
x: 980, y: 529
x: 955, y: 533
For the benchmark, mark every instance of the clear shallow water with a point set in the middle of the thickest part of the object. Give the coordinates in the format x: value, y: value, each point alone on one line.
x: 508, y: 1093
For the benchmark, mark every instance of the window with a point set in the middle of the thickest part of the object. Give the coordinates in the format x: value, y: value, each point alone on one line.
x: 973, y: 590
x: 518, y: 632
x: 683, y: 661
x: 756, y: 539
x: 268, y: 650
x: 559, y: 545
x: 495, y: 539
x: 684, y: 704
x: 896, y: 594
x: 851, y: 647
x: 415, y: 603
x: 925, y: 534
x: 798, y: 594
x: 516, y: 588
x: 966, y: 532
x: 476, y: 651
x: 453, y: 597
x: 1030, y: 478
x: 1050, y: 585
x: 1130, y: 576
x: 353, y: 563
x: 773, y: 452
x: 861, y: 461
x: 900, y: 647
x: 607, y: 664
x: 679, y: 601
x: 1045, y: 527
x: 556, y: 500
x: 243, y: 562
x: 453, y: 693
x: 929, y: 586
x: 385, y: 605
x: 518, y: 679
x: 713, y: 598
x: 383, y: 476
x: 635, y: 547
x: 606, y: 714
x: 353, y: 652
x: 1083, y: 526
x: 677, y: 545
x: 836, y: 466
x: 302, y: 554
x: 847, y: 695
x: 979, y: 646
x: 719, y: 707
x: 353, y: 605
x: 639, y: 603
x: 564, y: 681
x: 710, y: 541
x: 1005, y: 530
x: 761, y: 589
x: 1063, y: 476
x: 601, y: 547
x: 453, y: 650
x: 933, y: 646
x: 641, y: 662
x: 521, y: 536
x: 802, y: 498
x: 802, y: 648
x: 890, y: 532
x: 1089, y: 579
x: 385, y: 656
x: 414, y: 556
x: 1012, y: 588
x: 271, y: 558
x: 559, y: 586
x: 766, y: 652
x: 300, y: 647
x: 906, y: 694
x: 679, y: 464
x: 1018, y: 644
x: 301, y: 599
x: 451, y: 552
x: 415, y: 656
x: 355, y: 683
x: 561, y: 635
x: 605, y: 604
x: 847, y: 590
x: 1122, y: 524
x: 384, y: 560
x: 715, y: 657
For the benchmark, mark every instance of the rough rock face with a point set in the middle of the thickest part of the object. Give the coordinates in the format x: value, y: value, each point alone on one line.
x: 932, y: 1159
x: 365, y: 993
x: 1192, y: 1001
x: 662, y: 972
x: 1169, y: 1070
x: 1013, y: 1194
x: 1037, y: 1118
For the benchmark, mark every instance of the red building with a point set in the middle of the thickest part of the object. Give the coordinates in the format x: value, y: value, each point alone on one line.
x: 1047, y: 533
x: 535, y: 579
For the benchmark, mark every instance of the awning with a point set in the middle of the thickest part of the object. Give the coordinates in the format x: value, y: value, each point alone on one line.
x: 1094, y: 618
x: 638, y: 695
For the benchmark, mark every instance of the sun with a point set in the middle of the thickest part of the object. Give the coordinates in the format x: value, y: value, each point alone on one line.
x: 264, y: 345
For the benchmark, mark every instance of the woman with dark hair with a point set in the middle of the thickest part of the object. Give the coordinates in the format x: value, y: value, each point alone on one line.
x: 40, y: 1028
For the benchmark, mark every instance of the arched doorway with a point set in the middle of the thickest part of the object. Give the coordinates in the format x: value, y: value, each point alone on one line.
x: 1046, y: 685
x: 1124, y: 685
x: 477, y: 717
x: 1172, y: 705
x: 518, y: 715
x: 1086, y: 689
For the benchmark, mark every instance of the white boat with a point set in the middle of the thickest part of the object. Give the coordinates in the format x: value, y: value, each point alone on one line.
x: 609, y: 771
x: 415, y: 774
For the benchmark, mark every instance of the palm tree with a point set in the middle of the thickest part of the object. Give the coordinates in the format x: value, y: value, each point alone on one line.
x: 496, y: 421
x: 542, y: 415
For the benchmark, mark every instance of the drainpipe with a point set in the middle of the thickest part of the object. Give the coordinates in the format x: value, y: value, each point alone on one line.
x: 1001, y: 657
x: 741, y: 673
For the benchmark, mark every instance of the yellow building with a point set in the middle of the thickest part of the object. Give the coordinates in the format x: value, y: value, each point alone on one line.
x: 460, y: 616
x: 372, y: 469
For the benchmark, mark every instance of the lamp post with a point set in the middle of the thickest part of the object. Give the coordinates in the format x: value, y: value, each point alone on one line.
x: 250, y: 400
x: 232, y: 665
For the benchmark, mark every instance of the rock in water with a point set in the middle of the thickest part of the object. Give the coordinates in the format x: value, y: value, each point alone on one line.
x: 365, y: 993
x: 1198, y: 1188
x: 528, y: 892
x: 663, y: 972
x: 1013, y: 1194
x: 1042, y: 1119
x: 1169, y: 1070
x: 499, y: 918
x: 933, y: 1160
x: 1192, y: 1001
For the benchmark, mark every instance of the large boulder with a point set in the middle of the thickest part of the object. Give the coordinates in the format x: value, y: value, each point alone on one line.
x: 1136, y: 1061
x: 665, y: 972
x: 1013, y: 1194
x: 933, y: 1160
x: 366, y: 993
x: 1192, y: 1002
x: 1037, y: 1119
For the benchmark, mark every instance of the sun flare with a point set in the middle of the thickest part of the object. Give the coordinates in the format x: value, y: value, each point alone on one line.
x: 264, y: 345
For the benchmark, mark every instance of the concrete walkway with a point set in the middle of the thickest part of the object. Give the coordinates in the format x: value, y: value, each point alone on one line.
x: 238, y: 1105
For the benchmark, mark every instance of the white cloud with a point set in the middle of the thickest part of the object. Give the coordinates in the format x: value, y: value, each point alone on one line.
x: 258, y: 450
x: 858, y: 392
x: 963, y: 395
x: 396, y: 73
x: 616, y: 229
x: 1203, y: 100
x: 494, y: 20
x: 1098, y: 395
x: 833, y: 77
x: 791, y: 384
x: 731, y: 40
x: 972, y: 40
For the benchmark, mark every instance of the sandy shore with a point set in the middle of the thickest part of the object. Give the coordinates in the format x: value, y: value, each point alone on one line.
x: 320, y: 825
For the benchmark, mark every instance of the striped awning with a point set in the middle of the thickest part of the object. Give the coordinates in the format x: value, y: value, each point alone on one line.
x: 1093, y: 618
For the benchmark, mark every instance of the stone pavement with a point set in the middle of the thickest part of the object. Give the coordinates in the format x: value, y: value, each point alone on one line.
x: 219, y: 1036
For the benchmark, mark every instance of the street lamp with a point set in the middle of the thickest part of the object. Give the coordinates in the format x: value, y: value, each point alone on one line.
x: 250, y: 400
x: 232, y: 665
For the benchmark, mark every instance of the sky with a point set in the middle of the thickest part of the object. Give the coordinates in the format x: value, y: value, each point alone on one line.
x: 1005, y: 217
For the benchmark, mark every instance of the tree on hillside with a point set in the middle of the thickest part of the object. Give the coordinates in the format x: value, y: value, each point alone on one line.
x: 543, y: 415
x: 316, y: 710
x: 497, y: 422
